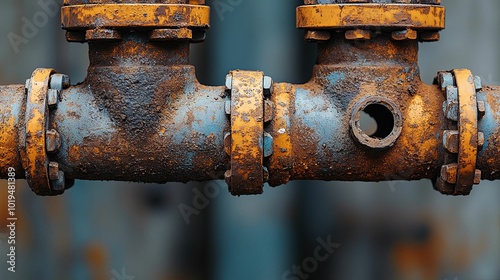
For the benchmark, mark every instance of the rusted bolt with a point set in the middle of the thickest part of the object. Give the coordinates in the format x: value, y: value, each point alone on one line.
x: 265, y: 174
x: 53, y: 171
x: 317, y: 36
x: 27, y: 84
x: 227, y: 106
x: 358, y: 34
x: 52, y: 141
x: 478, y: 83
x: 408, y: 34
x: 429, y: 36
x: 268, y: 144
x: 449, y: 173
x: 171, y: 34
x: 227, y: 143
x: 52, y: 97
x: 477, y: 177
x: 227, y: 178
x: 480, y: 140
x: 386, y: 114
x: 59, y: 185
x: 267, y: 84
x: 445, y: 79
x: 450, y: 109
x: 268, y: 110
x: 481, y: 109
x: 229, y: 82
x: 450, y: 140
x: 103, y: 34
x: 59, y: 81
x: 452, y: 93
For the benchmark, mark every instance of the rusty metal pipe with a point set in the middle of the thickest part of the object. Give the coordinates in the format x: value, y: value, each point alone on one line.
x: 13, y: 102
x: 141, y: 115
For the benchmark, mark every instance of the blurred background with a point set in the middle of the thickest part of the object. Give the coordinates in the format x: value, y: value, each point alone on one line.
x: 115, y: 230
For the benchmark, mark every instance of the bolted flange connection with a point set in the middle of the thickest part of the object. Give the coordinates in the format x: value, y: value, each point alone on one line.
x: 461, y: 138
x: 102, y: 21
x: 43, y: 93
x: 247, y: 143
x: 423, y: 19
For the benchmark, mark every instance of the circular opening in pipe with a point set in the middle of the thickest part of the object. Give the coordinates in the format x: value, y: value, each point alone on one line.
x: 376, y: 122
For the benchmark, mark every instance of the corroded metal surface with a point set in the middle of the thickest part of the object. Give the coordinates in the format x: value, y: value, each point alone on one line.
x: 36, y: 161
x: 246, y: 175
x: 92, y: 16
x: 333, y: 16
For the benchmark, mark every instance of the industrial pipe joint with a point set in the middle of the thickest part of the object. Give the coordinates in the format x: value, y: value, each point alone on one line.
x: 141, y: 115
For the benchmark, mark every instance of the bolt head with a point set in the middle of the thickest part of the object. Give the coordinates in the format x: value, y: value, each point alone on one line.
x: 450, y: 110
x: 450, y: 140
x: 477, y: 177
x: 408, y: 34
x: 229, y: 82
x: 53, y: 171
x: 52, y: 141
x: 480, y: 140
x: 317, y: 36
x: 267, y: 83
x: 227, y: 178
x: 227, y: 143
x: 59, y: 81
x: 449, y: 173
x: 481, y: 109
x: 478, y: 83
x: 53, y: 97
x: 358, y: 34
x: 445, y: 79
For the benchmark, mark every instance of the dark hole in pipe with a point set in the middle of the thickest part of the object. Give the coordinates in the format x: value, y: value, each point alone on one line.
x: 377, y: 121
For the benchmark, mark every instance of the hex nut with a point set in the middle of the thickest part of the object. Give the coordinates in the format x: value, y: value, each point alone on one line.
x: 480, y: 140
x: 445, y: 79
x: 229, y: 82
x: 52, y: 98
x: 53, y: 171
x: 407, y: 34
x: 450, y: 140
x: 358, y: 34
x: 449, y: 173
x: 317, y: 35
x: 477, y: 177
x: 59, y: 81
x: 481, y: 109
x: 52, y: 141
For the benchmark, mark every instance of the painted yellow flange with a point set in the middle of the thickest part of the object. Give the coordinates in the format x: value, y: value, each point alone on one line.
x: 36, y: 162
x: 90, y: 16
x: 247, y: 131
x: 342, y: 16
x: 468, y: 131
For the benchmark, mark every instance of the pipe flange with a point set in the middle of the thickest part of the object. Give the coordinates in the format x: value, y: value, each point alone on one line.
x: 43, y: 89
x: 245, y: 142
x: 461, y: 139
x: 78, y: 18
x: 405, y: 21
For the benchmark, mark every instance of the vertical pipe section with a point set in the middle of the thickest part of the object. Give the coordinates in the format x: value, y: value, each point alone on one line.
x: 13, y: 100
